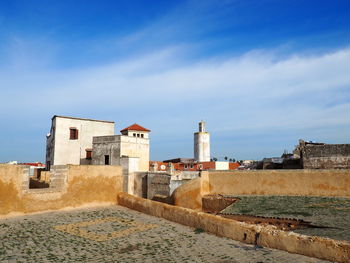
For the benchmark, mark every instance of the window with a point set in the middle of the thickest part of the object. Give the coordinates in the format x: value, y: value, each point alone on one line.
x: 106, y: 159
x: 200, y: 166
x: 185, y: 166
x: 138, y: 135
x: 88, y: 154
x: 73, y: 133
x: 141, y: 135
x: 191, y: 166
x: 134, y: 134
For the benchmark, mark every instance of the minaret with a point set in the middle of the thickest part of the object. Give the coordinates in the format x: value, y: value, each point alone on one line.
x: 202, y: 144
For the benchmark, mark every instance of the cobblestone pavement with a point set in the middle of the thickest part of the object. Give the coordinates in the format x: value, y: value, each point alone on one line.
x: 117, y: 234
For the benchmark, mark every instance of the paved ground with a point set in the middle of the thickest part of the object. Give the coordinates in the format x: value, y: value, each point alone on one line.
x: 333, y: 214
x: 117, y: 234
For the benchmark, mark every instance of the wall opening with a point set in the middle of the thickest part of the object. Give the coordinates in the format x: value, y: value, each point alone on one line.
x: 107, y: 160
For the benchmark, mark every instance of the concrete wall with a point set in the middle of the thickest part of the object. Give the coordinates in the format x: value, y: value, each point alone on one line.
x: 264, y: 182
x: 267, y: 236
x: 61, y: 150
x: 79, y: 186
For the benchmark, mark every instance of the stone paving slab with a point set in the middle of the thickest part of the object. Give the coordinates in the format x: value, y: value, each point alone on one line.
x: 118, y: 234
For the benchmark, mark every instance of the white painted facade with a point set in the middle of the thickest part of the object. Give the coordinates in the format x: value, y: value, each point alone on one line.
x: 138, y: 134
x: 202, y: 144
x: 221, y: 165
x: 61, y: 149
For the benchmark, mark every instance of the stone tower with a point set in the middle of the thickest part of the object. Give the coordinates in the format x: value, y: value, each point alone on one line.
x: 202, y: 144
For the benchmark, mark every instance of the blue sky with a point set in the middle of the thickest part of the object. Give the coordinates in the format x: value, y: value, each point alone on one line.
x: 262, y: 74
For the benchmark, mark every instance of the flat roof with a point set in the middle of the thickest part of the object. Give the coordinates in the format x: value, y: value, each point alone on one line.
x: 75, y: 118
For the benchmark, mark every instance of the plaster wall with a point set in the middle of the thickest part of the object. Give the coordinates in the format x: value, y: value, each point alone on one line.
x: 83, y: 185
x: 63, y: 150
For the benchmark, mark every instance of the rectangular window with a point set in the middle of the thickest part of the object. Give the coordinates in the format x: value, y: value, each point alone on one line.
x: 88, y: 154
x: 138, y: 135
x: 134, y: 134
x: 141, y: 135
x: 73, y: 133
x: 106, y: 159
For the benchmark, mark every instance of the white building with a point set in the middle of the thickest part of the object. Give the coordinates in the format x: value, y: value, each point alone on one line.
x: 202, y: 144
x: 70, y: 139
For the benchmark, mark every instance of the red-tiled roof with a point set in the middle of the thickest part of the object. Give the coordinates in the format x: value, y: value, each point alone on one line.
x: 135, y: 127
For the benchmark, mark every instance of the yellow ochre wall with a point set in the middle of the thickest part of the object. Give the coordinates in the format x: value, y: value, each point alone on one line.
x: 264, y: 182
x: 84, y: 185
x: 267, y: 236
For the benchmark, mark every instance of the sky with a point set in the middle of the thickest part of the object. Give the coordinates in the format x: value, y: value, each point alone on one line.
x: 261, y: 73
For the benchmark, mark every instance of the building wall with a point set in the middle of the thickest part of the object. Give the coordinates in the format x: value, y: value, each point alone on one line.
x: 328, y: 156
x: 66, y: 151
x: 132, y: 133
x: 221, y: 165
x: 118, y: 146
x: 82, y: 185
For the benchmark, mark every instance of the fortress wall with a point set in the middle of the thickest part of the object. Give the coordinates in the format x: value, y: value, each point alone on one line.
x: 266, y: 236
x: 264, y: 182
x: 77, y: 185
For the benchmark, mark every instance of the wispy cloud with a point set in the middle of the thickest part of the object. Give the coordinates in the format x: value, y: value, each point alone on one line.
x: 253, y: 93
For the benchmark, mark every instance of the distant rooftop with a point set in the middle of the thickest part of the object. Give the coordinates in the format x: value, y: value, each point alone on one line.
x: 135, y: 127
x: 74, y: 118
x: 180, y: 160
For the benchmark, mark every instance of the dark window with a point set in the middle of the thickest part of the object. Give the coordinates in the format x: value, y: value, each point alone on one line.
x: 106, y: 159
x: 134, y: 134
x: 88, y: 154
x: 73, y: 133
x: 138, y: 135
x: 141, y: 135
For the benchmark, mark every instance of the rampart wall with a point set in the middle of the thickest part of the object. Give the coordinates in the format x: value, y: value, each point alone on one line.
x: 263, y: 182
x: 267, y: 236
x: 70, y: 186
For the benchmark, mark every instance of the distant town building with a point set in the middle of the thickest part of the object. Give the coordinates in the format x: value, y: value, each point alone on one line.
x: 200, y: 162
x: 202, y: 144
x: 315, y: 155
x: 190, y: 165
x: 70, y: 139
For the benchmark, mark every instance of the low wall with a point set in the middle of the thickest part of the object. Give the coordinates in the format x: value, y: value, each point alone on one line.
x: 266, y: 236
x: 78, y: 185
x: 264, y: 182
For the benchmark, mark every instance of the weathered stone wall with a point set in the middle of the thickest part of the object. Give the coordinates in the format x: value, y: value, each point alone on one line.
x: 158, y: 184
x: 267, y: 236
x: 328, y: 156
x: 263, y: 182
x: 72, y: 186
